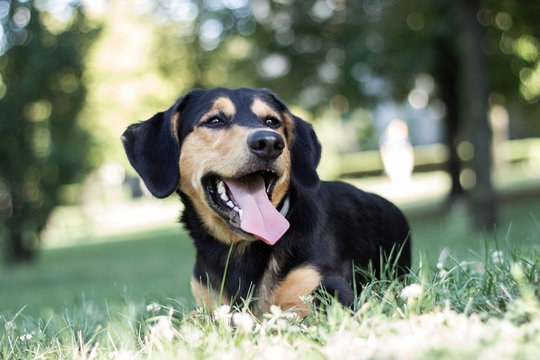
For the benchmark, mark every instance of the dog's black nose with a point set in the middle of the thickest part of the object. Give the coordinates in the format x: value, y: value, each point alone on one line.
x: 267, y: 145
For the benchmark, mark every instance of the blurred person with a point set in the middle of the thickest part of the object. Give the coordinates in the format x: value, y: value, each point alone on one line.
x: 397, y: 152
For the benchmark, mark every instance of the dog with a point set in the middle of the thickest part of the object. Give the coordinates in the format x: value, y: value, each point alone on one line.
x: 264, y: 226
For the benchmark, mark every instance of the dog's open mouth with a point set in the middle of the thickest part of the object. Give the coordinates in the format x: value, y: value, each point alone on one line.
x: 245, y: 203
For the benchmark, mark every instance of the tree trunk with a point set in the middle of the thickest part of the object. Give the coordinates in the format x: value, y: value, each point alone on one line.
x: 447, y: 76
x: 481, y: 196
x: 17, y: 250
x: 17, y: 243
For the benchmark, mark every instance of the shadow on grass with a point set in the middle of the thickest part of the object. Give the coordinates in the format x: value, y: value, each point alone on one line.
x: 153, y: 263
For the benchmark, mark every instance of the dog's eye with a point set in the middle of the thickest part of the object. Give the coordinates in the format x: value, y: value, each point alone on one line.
x: 272, y: 121
x: 214, y: 121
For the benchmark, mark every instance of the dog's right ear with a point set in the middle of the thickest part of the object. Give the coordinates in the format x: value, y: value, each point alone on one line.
x: 153, y: 149
x: 305, y: 155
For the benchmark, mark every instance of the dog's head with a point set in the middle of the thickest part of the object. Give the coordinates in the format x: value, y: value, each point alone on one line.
x: 234, y: 153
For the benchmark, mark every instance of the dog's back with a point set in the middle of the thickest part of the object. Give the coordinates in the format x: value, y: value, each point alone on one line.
x: 366, y: 226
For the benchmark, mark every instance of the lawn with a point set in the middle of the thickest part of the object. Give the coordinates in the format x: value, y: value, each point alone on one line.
x: 155, y: 262
x: 433, y: 231
x: 127, y: 295
x: 485, y: 309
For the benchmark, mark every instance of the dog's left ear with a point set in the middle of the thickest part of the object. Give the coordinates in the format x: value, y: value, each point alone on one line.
x: 153, y: 150
x: 305, y: 155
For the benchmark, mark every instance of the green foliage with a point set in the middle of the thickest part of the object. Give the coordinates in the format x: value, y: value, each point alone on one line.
x: 43, y: 146
x: 311, y: 51
x: 344, y: 56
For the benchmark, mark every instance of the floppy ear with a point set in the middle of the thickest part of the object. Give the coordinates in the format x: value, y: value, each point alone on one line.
x: 305, y: 155
x: 153, y: 150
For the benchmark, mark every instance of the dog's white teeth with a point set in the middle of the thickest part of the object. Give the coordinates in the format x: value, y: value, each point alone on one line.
x: 236, y: 209
x: 230, y: 204
x: 221, y: 187
x: 224, y: 197
x: 221, y: 191
x: 240, y: 212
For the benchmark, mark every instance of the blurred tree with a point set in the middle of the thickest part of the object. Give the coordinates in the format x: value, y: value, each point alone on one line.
x: 475, y: 109
x: 346, y: 54
x: 43, y: 147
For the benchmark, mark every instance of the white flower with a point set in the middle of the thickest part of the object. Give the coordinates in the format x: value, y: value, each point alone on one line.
x: 222, y: 314
x: 153, y: 307
x: 411, y: 292
x: 243, y: 321
x: 122, y: 355
x: 163, y: 328
x: 282, y: 324
x: 275, y: 310
x: 497, y: 257
x: 442, y: 274
x: 25, y: 337
x: 445, y: 253
x: 294, y: 317
x: 276, y: 352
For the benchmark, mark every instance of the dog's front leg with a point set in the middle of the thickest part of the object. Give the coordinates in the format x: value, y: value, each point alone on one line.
x: 338, y: 287
x: 296, y: 290
x: 206, y: 297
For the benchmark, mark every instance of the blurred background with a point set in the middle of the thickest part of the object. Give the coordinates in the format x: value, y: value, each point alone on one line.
x: 432, y: 104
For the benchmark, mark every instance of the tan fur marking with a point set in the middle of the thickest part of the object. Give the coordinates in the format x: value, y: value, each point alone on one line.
x: 205, y: 297
x: 224, y: 152
x: 282, y: 185
x: 222, y: 105
x: 174, y: 131
x: 205, y: 150
x: 289, y: 126
x: 263, y: 110
x: 174, y: 127
x: 301, y: 281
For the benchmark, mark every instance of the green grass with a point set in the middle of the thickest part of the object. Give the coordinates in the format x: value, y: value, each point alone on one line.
x: 477, y: 295
x: 483, y: 309
x: 154, y: 263
x: 518, y: 227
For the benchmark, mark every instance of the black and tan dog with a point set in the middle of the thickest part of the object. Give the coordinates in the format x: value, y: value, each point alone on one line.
x: 245, y: 169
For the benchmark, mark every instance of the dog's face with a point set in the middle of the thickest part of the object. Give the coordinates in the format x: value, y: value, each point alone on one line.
x: 234, y: 153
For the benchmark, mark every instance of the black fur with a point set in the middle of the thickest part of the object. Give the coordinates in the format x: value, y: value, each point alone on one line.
x: 332, y: 224
x: 305, y: 156
x: 153, y: 152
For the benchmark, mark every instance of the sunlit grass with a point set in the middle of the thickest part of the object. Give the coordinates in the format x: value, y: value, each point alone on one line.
x: 487, y: 308
x: 157, y: 261
x: 469, y: 295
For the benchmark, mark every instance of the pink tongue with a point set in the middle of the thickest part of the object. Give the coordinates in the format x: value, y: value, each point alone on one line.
x: 259, y: 217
